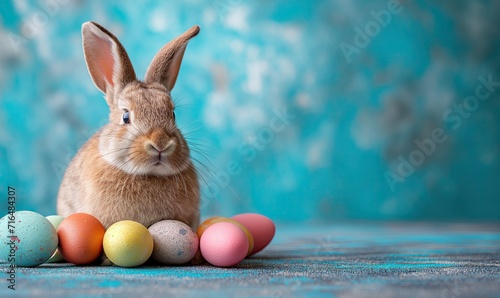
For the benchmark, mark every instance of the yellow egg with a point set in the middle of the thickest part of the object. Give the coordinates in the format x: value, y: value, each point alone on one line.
x: 128, y: 243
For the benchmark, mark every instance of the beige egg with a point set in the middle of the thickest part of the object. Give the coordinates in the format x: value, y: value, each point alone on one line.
x: 175, y: 243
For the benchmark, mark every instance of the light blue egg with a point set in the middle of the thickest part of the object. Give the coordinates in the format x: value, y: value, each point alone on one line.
x: 26, y: 238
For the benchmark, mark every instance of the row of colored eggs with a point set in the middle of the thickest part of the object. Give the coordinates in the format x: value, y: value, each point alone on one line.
x: 29, y: 239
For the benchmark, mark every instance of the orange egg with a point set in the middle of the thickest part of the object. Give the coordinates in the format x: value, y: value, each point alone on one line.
x: 80, y: 238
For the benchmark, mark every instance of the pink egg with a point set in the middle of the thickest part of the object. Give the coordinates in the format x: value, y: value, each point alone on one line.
x: 261, y: 227
x: 224, y: 244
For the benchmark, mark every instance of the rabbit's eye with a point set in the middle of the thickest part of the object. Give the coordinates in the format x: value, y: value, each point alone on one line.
x: 126, y: 117
x: 173, y: 115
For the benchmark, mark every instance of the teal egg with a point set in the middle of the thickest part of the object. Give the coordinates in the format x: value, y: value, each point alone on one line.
x: 26, y: 239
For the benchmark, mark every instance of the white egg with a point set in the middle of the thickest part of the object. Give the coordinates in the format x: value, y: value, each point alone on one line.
x: 55, y: 220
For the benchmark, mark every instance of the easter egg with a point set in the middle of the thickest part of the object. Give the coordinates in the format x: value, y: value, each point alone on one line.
x: 55, y: 220
x: 207, y: 223
x: 261, y: 227
x: 80, y: 238
x: 26, y: 238
x: 224, y: 244
x: 128, y: 243
x: 175, y: 242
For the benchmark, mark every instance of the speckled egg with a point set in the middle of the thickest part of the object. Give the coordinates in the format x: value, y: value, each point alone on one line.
x: 128, y: 243
x: 175, y: 242
x: 55, y: 220
x: 26, y: 238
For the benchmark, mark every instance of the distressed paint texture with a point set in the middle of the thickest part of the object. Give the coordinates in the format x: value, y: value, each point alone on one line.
x: 290, y: 110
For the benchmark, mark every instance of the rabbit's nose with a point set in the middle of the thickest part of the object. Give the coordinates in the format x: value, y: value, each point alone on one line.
x: 169, y: 147
x: 154, y: 149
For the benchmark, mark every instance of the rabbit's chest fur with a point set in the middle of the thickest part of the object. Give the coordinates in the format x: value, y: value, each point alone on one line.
x: 96, y: 187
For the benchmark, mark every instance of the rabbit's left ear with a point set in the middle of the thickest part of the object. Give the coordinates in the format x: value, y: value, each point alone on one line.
x: 107, y: 61
x: 166, y: 64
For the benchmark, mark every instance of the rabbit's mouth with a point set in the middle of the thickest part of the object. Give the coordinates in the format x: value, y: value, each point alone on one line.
x: 161, y: 168
x: 158, y: 161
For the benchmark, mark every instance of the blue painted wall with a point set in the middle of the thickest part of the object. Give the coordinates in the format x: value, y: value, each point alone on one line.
x: 319, y: 105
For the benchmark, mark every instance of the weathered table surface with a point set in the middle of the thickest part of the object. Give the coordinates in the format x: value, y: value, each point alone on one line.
x: 322, y: 260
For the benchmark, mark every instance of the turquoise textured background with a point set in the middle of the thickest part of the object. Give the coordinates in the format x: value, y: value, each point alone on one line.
x: 362, y: 82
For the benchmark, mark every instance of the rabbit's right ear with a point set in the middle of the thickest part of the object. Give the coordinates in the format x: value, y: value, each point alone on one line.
x: 166, y: 64
x: 107, y: 61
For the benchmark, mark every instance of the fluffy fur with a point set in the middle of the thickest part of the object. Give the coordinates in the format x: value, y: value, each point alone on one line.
x: 139, y: 170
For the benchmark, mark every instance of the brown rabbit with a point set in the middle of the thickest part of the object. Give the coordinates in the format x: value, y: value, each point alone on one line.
x: 138, y: 166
